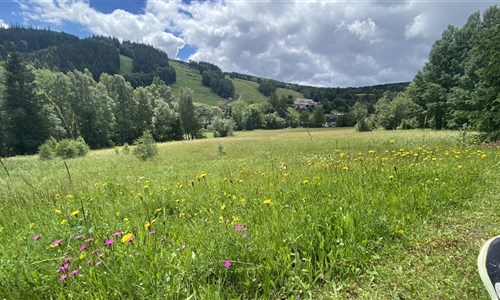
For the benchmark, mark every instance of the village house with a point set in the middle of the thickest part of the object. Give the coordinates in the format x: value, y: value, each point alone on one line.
x: 303, y: 104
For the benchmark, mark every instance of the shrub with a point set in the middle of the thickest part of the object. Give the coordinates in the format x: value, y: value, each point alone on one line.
x: 66, y: 148
x: 145, y: 146
x: 222, y: 127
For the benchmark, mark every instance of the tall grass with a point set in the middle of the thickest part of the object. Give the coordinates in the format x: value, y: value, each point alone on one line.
x: 280, y: 215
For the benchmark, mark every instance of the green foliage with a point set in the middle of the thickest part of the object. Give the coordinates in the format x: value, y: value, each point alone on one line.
x: 145, y: 147
x: 399, y: 112
x: 65, y: 148
x: 222, y: 127
x: 267, y: 87
x: 190, y: 126
x: 360, y: 112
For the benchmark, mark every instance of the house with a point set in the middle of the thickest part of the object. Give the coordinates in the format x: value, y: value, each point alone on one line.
x: 302, y: 104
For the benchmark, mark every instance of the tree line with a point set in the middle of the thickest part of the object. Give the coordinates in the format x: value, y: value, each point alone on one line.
x: 458, y: 88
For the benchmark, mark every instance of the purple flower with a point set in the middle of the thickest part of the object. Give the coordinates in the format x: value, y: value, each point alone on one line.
x: 244, y: 228
x: 63, y: 276
x: 67, y: 260
x: 90, y: 239
x: 56, y: 242
x: 117, y: 233
x: 97, y: 264
x: 36, y: 237
x: 109, y: 242
x: 237, y: 228
x: 83, y: 247
x: 78, y: 237
x: 95, y: 251
x: 88, y: 262
x: 74, y: 272
x: 227, y: 263
x: 101, y: 255
x: 65, y: 267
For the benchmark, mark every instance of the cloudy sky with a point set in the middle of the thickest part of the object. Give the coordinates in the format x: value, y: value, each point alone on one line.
x: 320, y: 43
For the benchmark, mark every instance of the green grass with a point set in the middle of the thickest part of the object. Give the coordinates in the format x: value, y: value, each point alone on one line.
x: 329, y: 213
x: 125, y: 65
x: 287, y: 92
x: 248, y: 91
x: 191, y: 78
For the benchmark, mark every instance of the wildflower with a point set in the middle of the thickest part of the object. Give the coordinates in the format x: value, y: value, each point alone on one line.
x: 244, y: 228
x: 32, y: 225
x: 97, y: 264
x: 391, y: 141
x: 78, y: 237
x: 127, y: 238
x: 83, y: 247
x: 57, y: 211
x: 243, y: 201
x: 63, y: 276
x: 117, y: 233
x: 391, y: 177
x: 64, y: 221
x: 88, y: 262
x: 267, y: 202
x: 65, y: 267
x: 227, y: 263
x: 109, y: 242
x: 67, y: 259
x: 158, y: 210
x: 74, y: 272
x: 90, y: 239
x: 36, y: 237
x: 75, y: 213
x: 221, y: 219
x: 152, y: 232
x: 223, y: 206
x: 182, y: 215
x: 244, y: 236
x: 82, y: 256
x: 55, y: 243
x: 183, y: 245
x: 237, y: 228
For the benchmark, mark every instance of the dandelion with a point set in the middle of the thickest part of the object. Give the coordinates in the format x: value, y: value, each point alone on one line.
x: 127, y: 238
x: 227, y: 263
x: 36, y: 237
x: 63, y: 276
x: 109, y: 242
x: 243, y: 201
x: 147, y: 225
x: 83, y: 247
x: 391, y: 177
x: 158, y: 210
x: 75, y: 213
x: 64, y: 221
x: 57, y: 211
x: 82, y: 256
x: 74, y: 272
x: 267, y: 202
x: 32, y: 225
x: 223, y: 206
x: 221, y: 219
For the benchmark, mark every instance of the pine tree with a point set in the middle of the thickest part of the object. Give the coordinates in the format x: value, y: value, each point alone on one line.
x: 24, y: 124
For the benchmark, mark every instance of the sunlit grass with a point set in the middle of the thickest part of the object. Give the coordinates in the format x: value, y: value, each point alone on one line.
x: 283, y: 214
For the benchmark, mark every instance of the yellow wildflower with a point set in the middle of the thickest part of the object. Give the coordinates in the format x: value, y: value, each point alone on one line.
x: 267, y: 202
x: 128, y: 237
x: 82, y: 256
x: 221, y: 219
x: 64, y: 221
x: 57, y: 211
x: 75, y: 213
x: 223, y: 206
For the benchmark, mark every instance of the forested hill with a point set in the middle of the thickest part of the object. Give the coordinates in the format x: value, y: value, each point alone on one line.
x: 65, y: 52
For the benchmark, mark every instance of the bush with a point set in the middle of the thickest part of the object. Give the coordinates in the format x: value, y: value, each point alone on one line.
x: 222, y: 127
x: 145, y: 146
x: 66, y: 148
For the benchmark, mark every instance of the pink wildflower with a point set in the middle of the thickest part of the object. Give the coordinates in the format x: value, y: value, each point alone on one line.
x: 237, y: 228
x: 83, y: 247
x: 56, y: 242
x: 117, y: 233
x: 227, y: 263
x: 78, y: 237
x: 88, y: 262
x: 74, y: 272
x: 36, y: 237
x: 90, y: 239
x: 152, y: 232
x: 97, y: 264
x: 244, y: 236
x: 109, y: 242
x: 63, y: 276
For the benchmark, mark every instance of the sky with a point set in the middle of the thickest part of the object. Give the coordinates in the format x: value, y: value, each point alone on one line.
x: 319, y: 43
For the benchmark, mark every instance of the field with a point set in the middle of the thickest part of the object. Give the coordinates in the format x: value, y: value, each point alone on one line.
x: 191, y: 78
x: 289, y: 214
x: 248, y: 91
x: 125, y: 65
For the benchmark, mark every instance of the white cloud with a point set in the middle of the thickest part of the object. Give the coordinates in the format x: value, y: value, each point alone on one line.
x: 418, y: 28
x: 315, y: 42
x: 3, y: 24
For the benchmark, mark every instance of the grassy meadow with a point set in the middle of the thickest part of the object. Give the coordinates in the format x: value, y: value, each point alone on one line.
x: 288, y: 214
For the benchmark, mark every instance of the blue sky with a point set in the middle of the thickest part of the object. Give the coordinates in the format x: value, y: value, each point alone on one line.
x: 320, y: 43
